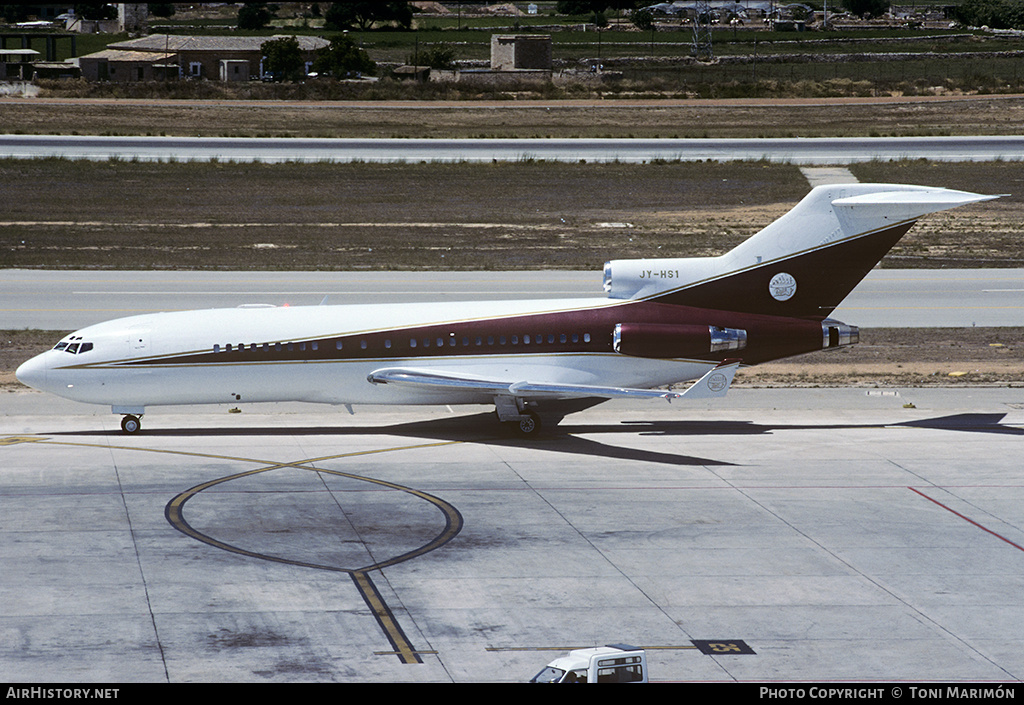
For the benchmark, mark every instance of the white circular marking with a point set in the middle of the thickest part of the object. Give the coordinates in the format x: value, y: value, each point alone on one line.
x: 717, y: 382
x: 782, y: 286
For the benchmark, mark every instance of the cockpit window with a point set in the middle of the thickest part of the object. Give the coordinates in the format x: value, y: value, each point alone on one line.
x: 72, y: 347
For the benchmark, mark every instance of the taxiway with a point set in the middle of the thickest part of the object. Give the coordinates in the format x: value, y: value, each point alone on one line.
x: 847, y: 534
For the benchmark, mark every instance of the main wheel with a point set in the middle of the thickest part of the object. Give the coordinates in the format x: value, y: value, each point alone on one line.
x: 527, y: 426
x: 131, y: 424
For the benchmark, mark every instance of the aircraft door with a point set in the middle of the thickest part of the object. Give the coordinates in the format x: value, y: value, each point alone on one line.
x: 138, y: 341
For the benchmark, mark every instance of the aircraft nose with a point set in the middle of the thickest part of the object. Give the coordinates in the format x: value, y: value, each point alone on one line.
x: 33, y: 372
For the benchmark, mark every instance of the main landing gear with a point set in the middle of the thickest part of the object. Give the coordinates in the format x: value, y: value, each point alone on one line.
x: 528, y: 425
x: 514, y: 412
x: 131, y: 424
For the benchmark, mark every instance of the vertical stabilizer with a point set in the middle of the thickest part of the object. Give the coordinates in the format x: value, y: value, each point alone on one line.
x: 803, y: 264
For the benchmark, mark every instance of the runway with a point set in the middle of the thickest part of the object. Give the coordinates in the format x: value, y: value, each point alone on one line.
x: 838, y: 535
x: 67, y: 300
x: 804, y: 151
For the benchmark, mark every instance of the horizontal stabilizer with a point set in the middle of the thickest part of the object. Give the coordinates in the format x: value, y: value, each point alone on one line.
x: 713, y: 384
x: 899, y: 206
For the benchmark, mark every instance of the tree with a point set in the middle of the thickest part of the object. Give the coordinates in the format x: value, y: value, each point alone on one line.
x: 578, y: 7
x: 439, y: 56
x: 643, y: 19
x: 95, y: 11
x: 14, y: 13
x: 999, y: 14
x: 342, y: 58
x: 875, y: 8
x: 365, y: 13
x: 161, y: 9
x: 253, y: 15
x: 283, y: 58
x: 592, y: 7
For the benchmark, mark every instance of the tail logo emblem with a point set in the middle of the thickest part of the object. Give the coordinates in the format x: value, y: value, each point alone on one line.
x: 782, y: 286
x: 717, y: 382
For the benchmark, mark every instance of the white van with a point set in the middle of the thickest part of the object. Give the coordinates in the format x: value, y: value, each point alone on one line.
x: 615, y: 663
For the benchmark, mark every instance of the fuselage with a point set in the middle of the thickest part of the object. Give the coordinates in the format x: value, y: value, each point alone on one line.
x: 324, y: 353
x: 666, y: 321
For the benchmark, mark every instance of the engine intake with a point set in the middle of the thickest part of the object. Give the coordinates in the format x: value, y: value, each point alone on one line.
x: 659, y: 340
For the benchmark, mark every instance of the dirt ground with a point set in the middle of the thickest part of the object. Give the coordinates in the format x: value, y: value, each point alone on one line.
x: 627, y: 117
x: 885, y: 358
x: 61, y: 214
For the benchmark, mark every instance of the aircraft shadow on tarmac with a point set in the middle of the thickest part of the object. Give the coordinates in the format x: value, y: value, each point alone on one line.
x: 566, y: 438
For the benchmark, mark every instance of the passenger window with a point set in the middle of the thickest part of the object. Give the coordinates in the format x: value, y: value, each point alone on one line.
x: 412, y: 342
x: 338, y: 345
x: 586, y: 337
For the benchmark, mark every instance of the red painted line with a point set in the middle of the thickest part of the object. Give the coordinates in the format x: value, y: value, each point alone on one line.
x: 967, y: 519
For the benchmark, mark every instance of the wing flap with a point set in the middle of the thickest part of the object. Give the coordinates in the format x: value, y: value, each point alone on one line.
x: 431, y: 379
x: 713, y: 384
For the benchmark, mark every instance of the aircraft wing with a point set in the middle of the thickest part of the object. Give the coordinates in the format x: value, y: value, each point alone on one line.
x: 713, y: 384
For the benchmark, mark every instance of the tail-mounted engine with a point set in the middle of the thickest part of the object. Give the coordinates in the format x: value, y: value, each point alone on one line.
x: 636, y: 278
x: 664, y: 341
x: 835, y: 334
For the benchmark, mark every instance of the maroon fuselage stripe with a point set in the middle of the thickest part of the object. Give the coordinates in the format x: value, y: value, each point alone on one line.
x: 565, y: 332
x: 741, y: 300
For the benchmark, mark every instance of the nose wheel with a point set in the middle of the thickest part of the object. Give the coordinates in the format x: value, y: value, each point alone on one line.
x: 131, y: 424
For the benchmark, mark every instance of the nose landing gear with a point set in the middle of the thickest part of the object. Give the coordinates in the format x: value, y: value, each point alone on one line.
x: 131, y: 424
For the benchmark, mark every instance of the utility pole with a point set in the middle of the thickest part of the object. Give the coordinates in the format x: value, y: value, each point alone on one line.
x: 702, y: 31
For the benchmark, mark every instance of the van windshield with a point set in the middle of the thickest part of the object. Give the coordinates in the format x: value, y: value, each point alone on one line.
x: 548, y: 675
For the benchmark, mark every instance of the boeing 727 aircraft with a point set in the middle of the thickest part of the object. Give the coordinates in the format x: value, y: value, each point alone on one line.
x: 665, y: 321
